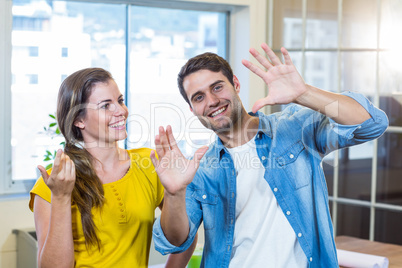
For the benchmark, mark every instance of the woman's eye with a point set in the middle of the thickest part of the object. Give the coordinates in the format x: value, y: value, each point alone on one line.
x: 105, y: 106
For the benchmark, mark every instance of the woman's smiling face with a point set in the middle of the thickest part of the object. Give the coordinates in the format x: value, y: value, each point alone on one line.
x: 106, y: 114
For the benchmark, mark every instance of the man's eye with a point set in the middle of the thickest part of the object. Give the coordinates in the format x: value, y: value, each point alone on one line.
x: 121, y: 101
x: 199, y: 98
x: 217, y: 88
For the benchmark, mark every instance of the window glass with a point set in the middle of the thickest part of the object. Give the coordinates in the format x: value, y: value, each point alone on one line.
x: 353, y: 221
x: 159, y: 48
x: 85, y: 35
x: 359, y: 23
x: 52, y: 39
x: 288, y: 27
x: 322, y: 24
x: 389, y: 169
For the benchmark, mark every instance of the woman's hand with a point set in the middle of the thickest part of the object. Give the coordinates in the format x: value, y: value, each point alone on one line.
x: 174, y: 170
x: 62, y: 178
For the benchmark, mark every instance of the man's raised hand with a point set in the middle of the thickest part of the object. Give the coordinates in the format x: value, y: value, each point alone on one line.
x: 284, y: 82
x: 174, y: 170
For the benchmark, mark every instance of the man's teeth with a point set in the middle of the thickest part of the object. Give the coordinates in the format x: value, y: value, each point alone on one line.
x: 218, y: 112
x: 119, y: 124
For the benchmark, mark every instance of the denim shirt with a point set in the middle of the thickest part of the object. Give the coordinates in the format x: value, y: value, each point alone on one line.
x: 291, y: 145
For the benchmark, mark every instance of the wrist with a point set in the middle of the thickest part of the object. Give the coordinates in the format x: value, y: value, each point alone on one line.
x: 306, y: 97
x: 61, y: 199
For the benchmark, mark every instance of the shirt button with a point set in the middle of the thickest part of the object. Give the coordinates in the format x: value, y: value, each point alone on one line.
x: 114, y: 190
x: 204, y: 196
x: 233, y: 172
x: 122, y: 210
x: 228, y: 248
x: 311, y: 258
x: 121, y: 204
x: 122, y: 216
x: 299, y: 235
x: 263, y: 158
x: 116, y: 194
x: 291, y: 156
x: 118, y: 198
x: 231, y: 221
x: 232, y: 195
x: 288, y: 212
x: 275, y: 189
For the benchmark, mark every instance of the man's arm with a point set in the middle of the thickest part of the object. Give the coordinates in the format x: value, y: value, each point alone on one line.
x: 285, y: 85
x: 179, y: 260
x: 175, y: 173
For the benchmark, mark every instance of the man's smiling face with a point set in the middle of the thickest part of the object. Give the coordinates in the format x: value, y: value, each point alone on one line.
x: 213, y: 99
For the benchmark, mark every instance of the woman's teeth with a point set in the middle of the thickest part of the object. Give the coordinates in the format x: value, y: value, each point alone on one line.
x: 119, y: 124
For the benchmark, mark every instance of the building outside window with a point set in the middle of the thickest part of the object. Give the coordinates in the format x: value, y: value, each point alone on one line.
x: 143, y: 54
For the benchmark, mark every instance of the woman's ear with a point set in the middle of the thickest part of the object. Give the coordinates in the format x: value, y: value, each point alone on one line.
x: 79, y: 123
x: 236, y: 84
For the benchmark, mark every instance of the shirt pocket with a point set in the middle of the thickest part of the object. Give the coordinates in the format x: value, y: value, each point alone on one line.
x: 295, y: 162
x: 208, y: 203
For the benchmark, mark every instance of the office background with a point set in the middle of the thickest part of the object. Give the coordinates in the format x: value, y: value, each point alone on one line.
x: 336, y: 45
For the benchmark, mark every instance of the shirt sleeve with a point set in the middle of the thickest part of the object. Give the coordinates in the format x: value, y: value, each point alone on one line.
x: 164, y: 246
x: 41, y: 189
x: 329, y: 135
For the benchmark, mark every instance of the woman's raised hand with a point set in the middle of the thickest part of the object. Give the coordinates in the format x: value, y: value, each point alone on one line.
x: 174, y: 170
x: 62, y: 177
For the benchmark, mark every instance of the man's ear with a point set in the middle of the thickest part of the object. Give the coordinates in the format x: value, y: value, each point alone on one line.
x: 79, y: 123
x: 191, y: 109
x: 236, y: 84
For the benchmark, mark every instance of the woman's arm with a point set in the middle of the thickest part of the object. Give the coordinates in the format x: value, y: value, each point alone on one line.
x: 54, y: 233
x: 53, y: 221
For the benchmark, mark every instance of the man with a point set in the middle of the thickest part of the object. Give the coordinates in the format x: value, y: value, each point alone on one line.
x: 260, y: 188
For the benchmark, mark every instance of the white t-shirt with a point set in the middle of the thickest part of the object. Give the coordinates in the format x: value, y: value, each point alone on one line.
x: 263, y: 236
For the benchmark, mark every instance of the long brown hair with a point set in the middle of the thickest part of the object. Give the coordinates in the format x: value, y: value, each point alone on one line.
x: 72, y: 100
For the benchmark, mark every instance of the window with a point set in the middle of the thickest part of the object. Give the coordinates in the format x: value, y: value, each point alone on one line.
x: 64, y: 52
x: 33, y: 51
x: 347, y: 45
x: 95, y: 34
x: 32, y: 79
x: 92, y: 41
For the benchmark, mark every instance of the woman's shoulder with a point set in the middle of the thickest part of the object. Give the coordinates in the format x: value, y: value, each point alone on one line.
x: 139, y: 152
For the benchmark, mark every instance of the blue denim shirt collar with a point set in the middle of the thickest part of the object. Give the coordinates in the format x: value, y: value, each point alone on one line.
x: 263, y: 128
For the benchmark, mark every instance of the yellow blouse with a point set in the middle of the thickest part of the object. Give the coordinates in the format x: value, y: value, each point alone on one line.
x: 124, y: 224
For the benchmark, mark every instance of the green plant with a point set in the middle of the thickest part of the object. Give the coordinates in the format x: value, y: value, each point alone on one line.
x: 53, y: 131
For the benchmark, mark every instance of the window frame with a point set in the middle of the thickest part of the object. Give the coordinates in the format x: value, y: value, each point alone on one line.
x: 243, y: 31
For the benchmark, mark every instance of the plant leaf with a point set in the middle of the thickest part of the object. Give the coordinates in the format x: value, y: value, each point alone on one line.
x: 52, y: 116
x: 49, y: 166
x: 52, y: 124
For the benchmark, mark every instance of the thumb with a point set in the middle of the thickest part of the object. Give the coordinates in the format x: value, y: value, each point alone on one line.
x: 261, y: 103
x: 154, y: 160
x: 43, y: 172
x: 200, y: 153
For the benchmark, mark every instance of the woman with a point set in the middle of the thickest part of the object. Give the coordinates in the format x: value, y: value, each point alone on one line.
x: 95, y: 208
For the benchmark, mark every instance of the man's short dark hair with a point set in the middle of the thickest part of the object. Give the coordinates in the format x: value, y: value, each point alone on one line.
x: 206, y: 61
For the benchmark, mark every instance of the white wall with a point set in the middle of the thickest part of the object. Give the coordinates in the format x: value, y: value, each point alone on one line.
x: 14, y: 214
